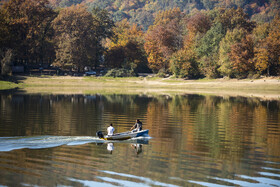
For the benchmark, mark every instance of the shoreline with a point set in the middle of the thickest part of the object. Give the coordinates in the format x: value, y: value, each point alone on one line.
x: 265, y: 88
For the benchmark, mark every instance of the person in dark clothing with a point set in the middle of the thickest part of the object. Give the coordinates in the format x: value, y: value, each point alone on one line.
x: 137, y: 126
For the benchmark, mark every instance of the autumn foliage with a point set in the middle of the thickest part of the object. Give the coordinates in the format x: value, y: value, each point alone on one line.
x: 142, y: 36
x: 267, y: 58
x: 240, y: 55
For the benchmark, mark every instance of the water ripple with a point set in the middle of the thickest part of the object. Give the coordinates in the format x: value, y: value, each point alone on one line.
x: 115, y: 180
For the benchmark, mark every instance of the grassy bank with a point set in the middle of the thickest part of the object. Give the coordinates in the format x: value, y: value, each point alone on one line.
x: 6, y: 85
x: 265, y: 87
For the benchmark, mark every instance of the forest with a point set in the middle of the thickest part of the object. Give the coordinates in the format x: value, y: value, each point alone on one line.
x: 185, y: 38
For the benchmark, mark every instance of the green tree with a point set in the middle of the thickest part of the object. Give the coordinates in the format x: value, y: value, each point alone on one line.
x: 208, y: 48
x: 67, y: 3
x: 102, y: 23
x: 142, y: 17
x: 230, y: 39
x: 103, y: 28
x: 209, y: 44
x: 5, y: 34
x: 183, y: 63
x: 209, y: 4
x: 115, y: 57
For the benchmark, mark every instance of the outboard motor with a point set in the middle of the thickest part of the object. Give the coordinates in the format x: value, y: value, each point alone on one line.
x: 100, y: 134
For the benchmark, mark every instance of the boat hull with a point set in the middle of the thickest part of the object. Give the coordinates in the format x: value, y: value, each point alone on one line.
x: 127, y: 135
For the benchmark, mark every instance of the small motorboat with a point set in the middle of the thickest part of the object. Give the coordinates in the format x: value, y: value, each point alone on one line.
x: 123, y: 135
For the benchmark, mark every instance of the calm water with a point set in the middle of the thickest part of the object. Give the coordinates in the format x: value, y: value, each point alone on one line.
x: 49, y: 140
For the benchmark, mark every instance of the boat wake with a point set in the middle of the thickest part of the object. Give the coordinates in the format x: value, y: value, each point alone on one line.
x: 41, y: 142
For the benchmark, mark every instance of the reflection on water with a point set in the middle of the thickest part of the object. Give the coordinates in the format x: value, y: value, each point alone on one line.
x: 49, y: 140
x: 110, y: 147
x: 137, y: 147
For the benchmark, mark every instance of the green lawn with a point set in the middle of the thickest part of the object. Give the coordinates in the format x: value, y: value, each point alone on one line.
x: 5, y: 85
x: 267, y: 87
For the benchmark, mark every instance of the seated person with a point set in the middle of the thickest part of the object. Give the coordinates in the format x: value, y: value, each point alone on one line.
x: 137, y: 126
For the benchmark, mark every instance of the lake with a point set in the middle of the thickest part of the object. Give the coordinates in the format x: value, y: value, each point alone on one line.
x: 194, y: 140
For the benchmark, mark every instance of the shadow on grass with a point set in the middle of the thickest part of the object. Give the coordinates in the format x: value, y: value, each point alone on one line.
x: 14, y: 79
x: 11, y: 84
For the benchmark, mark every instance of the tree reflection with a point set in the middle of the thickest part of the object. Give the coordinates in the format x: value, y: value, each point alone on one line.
x: 199, y: 134
x: 218, y: 125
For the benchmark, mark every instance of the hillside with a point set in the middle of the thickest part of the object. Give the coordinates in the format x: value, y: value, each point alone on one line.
x: 143, y: 12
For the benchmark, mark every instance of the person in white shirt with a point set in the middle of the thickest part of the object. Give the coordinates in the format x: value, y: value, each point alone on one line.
x: 110, y: 130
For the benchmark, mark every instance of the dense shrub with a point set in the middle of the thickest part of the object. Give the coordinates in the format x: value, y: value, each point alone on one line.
x: 120, y: 73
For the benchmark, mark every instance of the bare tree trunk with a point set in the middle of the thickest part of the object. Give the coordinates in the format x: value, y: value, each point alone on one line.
x: 268, y: 72
x: 6, y: 62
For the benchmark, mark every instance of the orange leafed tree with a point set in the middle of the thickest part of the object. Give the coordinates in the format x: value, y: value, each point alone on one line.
x: 164, y: 17
x: 126, y: 50
x: 198, y: 23
x: 163, y: 39
x: 160, y: 45
x: 241, y: 55
x: 29, y: 25
x: 261, y: 59
x: 124, y: 32
x: 272, y: 44
x: 267, y: 56
x: 152, y: 47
